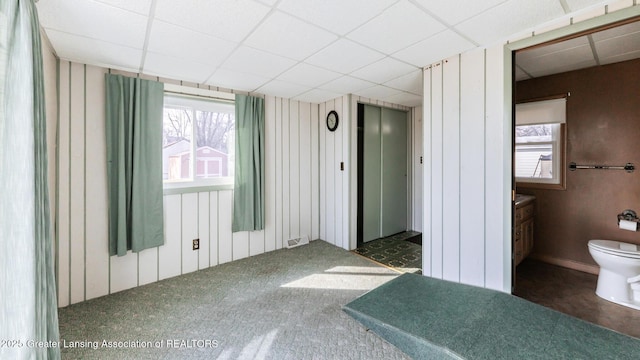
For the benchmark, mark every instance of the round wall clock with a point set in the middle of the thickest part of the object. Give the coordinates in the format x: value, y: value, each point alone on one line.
x: 332, y: 120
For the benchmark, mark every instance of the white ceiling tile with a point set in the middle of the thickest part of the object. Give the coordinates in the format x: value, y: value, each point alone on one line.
x: 236, y: 80
x: 575, y: 5
x: 509, y: 18
x: 94, y: 20
x: 411, y: 82
x: 139, y: 6
x: 175, y: 68
x: 94, y: 52
x: 337, y: 16
x: 309, y: 75
x: 317, y: 96
x: 285, y: 35
x: 435, y: 48
x: 406, y: 99
x: 282, y: 89
x: 588, y: 14
x: 378, y: 92
x: 455, y: 11
x: 268, y: 2
x: 620, y: 31
x: 183, y: 43
x: 344, y: 56
x: 252, y: 61
x: 620, y: 57
x: 621, y: 47
x: 346, y: 85
x: 555, y: 58
x: 227, y: 19
x: 397, y: 27
x: 620, y: 4
x: 383, y: 71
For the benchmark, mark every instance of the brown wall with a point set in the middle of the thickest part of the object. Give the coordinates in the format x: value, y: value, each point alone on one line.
x: 603, y: 127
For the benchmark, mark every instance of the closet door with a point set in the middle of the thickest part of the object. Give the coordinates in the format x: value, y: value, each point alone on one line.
x: 371, y: 211
x: 394, y: 172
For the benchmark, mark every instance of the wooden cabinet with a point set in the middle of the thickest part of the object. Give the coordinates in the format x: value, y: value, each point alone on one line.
x: 523, y: 231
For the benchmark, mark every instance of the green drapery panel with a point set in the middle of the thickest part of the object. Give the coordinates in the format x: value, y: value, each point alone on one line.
x: 248, y: 191
x: 134, y: 163
x: 28, y: 306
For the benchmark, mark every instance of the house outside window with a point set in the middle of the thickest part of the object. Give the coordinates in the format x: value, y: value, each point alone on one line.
x: 540, y: 136
x: 198, y: 141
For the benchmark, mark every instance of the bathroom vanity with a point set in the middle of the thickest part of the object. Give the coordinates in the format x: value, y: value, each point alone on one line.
x: 523, y: 227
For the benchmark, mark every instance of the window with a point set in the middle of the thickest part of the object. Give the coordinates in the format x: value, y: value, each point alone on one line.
x: 539, y: 144
x: 198, y: 141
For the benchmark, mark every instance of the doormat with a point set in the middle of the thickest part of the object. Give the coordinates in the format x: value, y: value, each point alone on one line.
x: 395, y: 252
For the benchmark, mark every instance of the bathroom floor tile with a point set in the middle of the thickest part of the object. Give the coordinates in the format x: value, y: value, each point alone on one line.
x: 573, y: 292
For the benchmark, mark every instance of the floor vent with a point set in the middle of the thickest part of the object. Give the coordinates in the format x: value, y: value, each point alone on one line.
x: 291, y: 243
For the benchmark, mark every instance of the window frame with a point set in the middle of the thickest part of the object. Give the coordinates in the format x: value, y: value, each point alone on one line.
x: 195, y: 184
x: 560, y: 144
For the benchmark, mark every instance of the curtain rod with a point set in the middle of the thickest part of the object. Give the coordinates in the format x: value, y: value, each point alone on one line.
x: 200, y: 96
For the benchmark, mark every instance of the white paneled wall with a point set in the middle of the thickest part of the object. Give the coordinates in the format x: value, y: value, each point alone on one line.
x: 467, y: 136
x: 464, y: 176
x: 334, y: 183
x: 84, y: 268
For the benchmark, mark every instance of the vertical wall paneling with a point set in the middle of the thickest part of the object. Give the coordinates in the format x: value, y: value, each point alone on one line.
x: 147, y: 266
x: 472, y: 167
x: 225, y: 215
x: 124, y: 272
x: 322, y: 169
x: 330, y: 184
x: 451, y: 169
x: 278, y: 173
x: 286, y: 169
x: 256, y: 242
x: 189, y: 231
x: 337, y: 178
x: 427, y: 251
x: 214, y: 229
x: 314, y: 165
x: 64, y: 189
x: 270, y: 174
x: 344, y: 175
x: 305, y: 170
x: 77, y: 181
x: 170, y: 254
x: 294, y: 169
x: 240, y: 249
x: 97, y: 256
x: 498, y: 173
x: 203, y: 230
x: 417, y: 169
x: 437, y: 145
x: 84, y: 268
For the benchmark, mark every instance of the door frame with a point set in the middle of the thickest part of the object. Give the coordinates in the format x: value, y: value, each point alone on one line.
x: 355, y: 188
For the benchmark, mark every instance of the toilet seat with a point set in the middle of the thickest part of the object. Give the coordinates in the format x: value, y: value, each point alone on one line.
x: 616, y: 248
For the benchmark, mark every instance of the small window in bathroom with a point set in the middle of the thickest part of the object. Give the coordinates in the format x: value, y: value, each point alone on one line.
x: 539, y: 144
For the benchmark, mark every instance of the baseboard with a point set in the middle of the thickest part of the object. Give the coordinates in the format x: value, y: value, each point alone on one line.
x: 569, y: 264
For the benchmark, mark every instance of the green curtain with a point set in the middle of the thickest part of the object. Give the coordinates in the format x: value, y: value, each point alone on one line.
x: 248, y: 191
x: 134, y: 163
x: 28, y: 306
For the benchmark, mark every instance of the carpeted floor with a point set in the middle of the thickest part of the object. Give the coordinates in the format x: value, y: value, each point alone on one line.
x: 401, y: 251
x: 285, y: 304
x: 436, y: 319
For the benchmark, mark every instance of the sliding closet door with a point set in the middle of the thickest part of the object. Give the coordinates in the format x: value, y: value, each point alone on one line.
x: 394, y: 171
x: 372, y: 168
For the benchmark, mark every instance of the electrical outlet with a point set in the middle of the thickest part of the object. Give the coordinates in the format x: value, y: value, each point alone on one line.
x: 196, y: 244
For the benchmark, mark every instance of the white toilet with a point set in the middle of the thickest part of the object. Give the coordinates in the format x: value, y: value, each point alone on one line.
x: 619, y: 279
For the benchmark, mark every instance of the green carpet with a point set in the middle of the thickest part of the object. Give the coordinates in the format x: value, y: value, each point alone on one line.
x: 429, y: 318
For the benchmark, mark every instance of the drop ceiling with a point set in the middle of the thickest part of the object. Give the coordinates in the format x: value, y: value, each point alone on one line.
x: 308, y: 50
x: 620, y: 43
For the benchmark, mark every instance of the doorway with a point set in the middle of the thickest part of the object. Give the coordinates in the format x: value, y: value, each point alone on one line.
x: 382, y: 172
